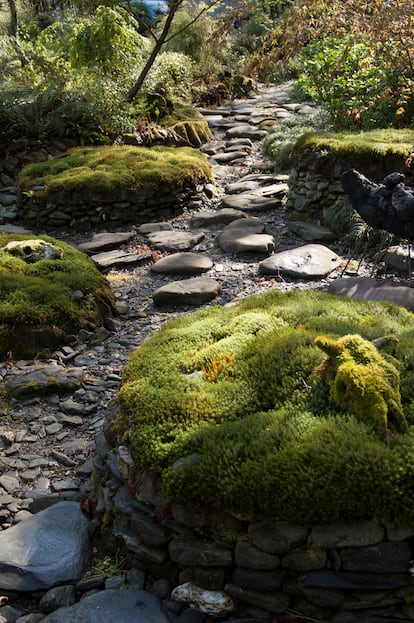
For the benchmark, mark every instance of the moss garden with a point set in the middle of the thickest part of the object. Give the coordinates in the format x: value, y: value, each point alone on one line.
x: 295, y: 406
x: 37, y: 280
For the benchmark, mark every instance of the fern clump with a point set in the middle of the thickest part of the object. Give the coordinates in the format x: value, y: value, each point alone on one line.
x: 250, y: 408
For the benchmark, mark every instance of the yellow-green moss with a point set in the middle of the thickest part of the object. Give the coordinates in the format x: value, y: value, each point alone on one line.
x: 362, y: 382
x: 234, y: 393
x: 38, y: 295
x: 116, y: 168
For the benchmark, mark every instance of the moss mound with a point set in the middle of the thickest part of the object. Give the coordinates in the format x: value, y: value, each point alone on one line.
x: 37, y: 280
x: 107, y: 170
x: 375, y: 153
x: 230, y: 407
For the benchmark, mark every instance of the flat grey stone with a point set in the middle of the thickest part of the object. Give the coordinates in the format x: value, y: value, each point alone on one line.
x: 148, y: 228
x: 347, y: 580
x: 106, y: 241
x: 246, y: 131
x: 277, y: 537
x: 185, y: 263
x: 259, y: 580
x: 310, y: 231
x: 116, y: 258
x: 197, y: 553
x: 248, y: 202
x: 175, y: 240
x: 13, y: 229
x: 381, y: 558
x: 194, y: 291
x: 250, y: 557
x: 275, y: 601
x: 49, y: 548
x: 245, y: 236
x: 108, y: 606
x: 347, y: 534
x: 311, y: 261
x: 368, y: 289
x: 230, y: 156
x: 223, y: 216
x: 39, y: 378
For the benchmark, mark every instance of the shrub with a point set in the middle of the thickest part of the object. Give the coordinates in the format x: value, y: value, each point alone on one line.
x: 226, y: 404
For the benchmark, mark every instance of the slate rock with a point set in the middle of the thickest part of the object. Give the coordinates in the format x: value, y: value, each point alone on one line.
x: 312, y: 261
x: 369, y: 289
x: 196, y: 553
x: 175, y: 240
x: 259, y: 580
x: 245, y: 236
x: 275, y: 602
x: 381, y: 558
x: 47, y: 549
x: 347, y: 580
x: 304, y: 559
x: 185, y: 263
x: 246, y: 131
x: 248, y: 202
x: 113, y: 605
x: 58, y: 597
x: 117, y: 258
x: 310, y: 231
x: 347, y: 534
x: 106, y: 241
x: 41, y: 378
x: 223, y: 216
x: 194, y: 291
x: 230, y: 156
x: 277, y: 537
x: 250, y: 557
x: 211, y: 578
x: 149, y: 228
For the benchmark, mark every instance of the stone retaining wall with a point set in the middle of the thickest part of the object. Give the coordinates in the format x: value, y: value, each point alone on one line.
x: 342, y: 573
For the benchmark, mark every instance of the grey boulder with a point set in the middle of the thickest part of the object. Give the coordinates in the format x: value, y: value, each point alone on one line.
x: 194, y: 291
x: 46, y: 549
x: 368, y: 289
x: 175, y: 240
x: 131, y: 606
x: 245, y: 236
x: 185, y: 263
x: 312, y: 261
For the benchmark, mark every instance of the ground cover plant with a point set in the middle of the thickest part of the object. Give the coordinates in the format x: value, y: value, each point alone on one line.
x: 37, y: 287
x: 242, y: 408
x: 113, y: 169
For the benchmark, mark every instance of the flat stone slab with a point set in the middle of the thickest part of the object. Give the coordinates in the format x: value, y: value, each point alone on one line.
x: 175, y: 240
x: 46, y: 549
x: 148, y: 228
x: 369, y: 289
x: 311, y: 261
x: 40, y: 378
x: 194, y: 291
x: 185, y: 263
x: 310, y: 231
x: 109, y: 606
x: 249, y: 202
x: 117, y: 258
x: 230, y: 156
x: 224, y: 216
x: 246, y: 130
x: 106, y: 241
x: 246, y: 236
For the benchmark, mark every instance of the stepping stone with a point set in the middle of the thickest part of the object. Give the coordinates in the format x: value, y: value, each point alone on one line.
x: 246, y: 236
x: 175, y: 240
x: 213, y: 147
x: 223, y: 216
x: 398, y: 257
x: 368, y: 289
x: 111, y: 605
x: 149, y: 228
x: 43, y: 378
x: 223, y: 158
x: 241, y: 186
x: 250, y: 203
x: 221, y: 171
x: 311, y: 261
x: 194, y: 291
x: 185, y: 263
x: 310, y: 231
x: 46, y: 549
x: 246, y: 131
x: 106, y: 241
x: 241, y: 142
x: 117, y: 258
x: 14, y: 229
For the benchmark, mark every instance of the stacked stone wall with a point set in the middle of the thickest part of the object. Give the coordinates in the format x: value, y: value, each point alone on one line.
x: 341, y: 573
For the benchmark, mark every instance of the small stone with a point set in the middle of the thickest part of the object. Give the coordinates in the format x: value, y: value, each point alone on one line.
x: 210, y: 602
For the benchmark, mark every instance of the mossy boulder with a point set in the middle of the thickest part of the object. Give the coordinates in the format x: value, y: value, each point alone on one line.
x: 375, y: 153
x: 362, y: 382
x: 38, y: 278
x: 91, y: 171
x: 228, y: 407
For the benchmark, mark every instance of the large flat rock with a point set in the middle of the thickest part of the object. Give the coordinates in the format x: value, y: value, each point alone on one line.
x: 106, y: 241
x: 111, y: 606
x: 194, y: 291
x: 223, y: 217
x: 311, y: 261
x: 175, y: 240
x: 117, y: 258
x: 185, y: 263
x: 369, y: 289
x: 43, y: 378
x: 47, y: 549
x: 245, y: 236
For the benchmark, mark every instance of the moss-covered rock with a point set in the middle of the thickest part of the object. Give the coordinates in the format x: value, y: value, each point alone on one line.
x: 111, y: 170
x: 375, y: 153
x: 362, y: 382
x: 37, y: 280
x: 227, y: 405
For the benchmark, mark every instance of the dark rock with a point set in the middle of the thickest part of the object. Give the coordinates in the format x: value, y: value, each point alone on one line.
x: 106, y: 241
x: 259, y: 580
x: 58, y: 597
x: 118, y: 258
x: 210, y: 578
x: 381, y: 558
x: 368, y: 289
x: 47, y: 549
x: 194, y: 291
x: 277, y: 537
x: 304, y: 559
x: 199, y: 554
x: 151, y: 532
x: 275, y: 601
x: 248, y: 556
x: 346, y: 580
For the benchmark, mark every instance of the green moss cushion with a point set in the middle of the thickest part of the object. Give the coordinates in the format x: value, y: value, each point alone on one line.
x: 38, y: 278
x: 229, y: 406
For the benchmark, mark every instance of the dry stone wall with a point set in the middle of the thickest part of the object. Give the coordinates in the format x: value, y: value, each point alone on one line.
x: 341, y: 573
